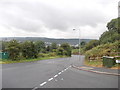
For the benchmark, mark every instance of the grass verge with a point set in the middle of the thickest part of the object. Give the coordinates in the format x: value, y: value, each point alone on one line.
x: 29, y: 60
x: 93, y: 63
x: 99, y: 64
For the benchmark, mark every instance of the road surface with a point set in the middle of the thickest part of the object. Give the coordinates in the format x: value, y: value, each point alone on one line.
x: 54, y: 73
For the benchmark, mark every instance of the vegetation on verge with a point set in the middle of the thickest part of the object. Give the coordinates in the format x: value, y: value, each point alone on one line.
x: 31, y: 51
x: 107, y: 45
x: 30, y: 60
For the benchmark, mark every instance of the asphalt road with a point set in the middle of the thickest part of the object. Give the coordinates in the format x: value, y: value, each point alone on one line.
x: 54, y: 73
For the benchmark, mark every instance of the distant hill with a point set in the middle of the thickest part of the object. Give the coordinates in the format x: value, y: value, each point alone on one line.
x: 50, y: 40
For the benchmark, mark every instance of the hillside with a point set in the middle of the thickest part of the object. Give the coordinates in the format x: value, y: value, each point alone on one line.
x: 107, y: 45
x: 58, y: 41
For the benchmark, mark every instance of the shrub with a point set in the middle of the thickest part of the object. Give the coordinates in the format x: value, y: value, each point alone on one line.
x: 109, y: 49
x: 60, y: 51
x: 41, y: 55
x: 14, y: 50
x: 52, y: 54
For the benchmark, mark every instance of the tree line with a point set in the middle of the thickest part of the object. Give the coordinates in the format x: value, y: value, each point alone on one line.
x: 29, y: 49
x: 108, y: 43
x: 111, y: 35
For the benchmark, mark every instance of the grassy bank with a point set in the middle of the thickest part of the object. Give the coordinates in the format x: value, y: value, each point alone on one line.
x: 99, y: 64
x: 93, y: 63
x: 94, y: 56
x: 29, y: 60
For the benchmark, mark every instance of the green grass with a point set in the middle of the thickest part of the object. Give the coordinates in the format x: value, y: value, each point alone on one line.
x: 110, y: 49
x: 99, y: 64
x: 93, y: 63
x: 29, y: 60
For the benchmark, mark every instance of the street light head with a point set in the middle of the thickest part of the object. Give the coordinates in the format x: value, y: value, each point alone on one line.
x: 73, y: 28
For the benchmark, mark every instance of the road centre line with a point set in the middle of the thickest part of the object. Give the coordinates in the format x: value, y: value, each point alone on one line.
x: 35, y: 88
x: 50, y: 79
x: 59, y: 73
x: 43, y: 83
x: 55, y: 75
x: 65, y: 69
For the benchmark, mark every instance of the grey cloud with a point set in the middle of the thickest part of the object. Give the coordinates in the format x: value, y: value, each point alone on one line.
x: 53, y: 18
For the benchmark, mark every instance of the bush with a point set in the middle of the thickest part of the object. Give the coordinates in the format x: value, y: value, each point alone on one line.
x: 14, y: 50
x: 109, y: 49
x: 41, y: 55
x: 29, y: 50
x: 52, y: 54
x: 91, y: 44
x: 60, y: 51
x: 66, y: 49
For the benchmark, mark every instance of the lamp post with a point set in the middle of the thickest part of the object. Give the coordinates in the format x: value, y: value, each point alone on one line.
x: 78, y: 42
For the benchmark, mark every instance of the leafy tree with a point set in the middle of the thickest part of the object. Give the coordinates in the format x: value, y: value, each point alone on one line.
x: 113, y: 33
x: 67, y: 49
x: 13, y: 49
x: 29, y: 50
x: 48, y: 48
x: 91, y: 44
x: 114, y: 25
x: 60, y: 51
x: 109, y: 37
x: 40, y: 45
x: 53, y: 46
x: 82, y: 44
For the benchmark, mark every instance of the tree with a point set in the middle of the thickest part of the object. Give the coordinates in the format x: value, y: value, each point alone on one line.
x: 109, y: 37
x: 60, y: 51
x: 53, y: 46
x: 113, y: 24
x: 40, y: 45
x: 91, y: 44
x: 29, y: 50
x: 82, y: 44
x: 13, y: 49
x: 67, y: 49
x: 48, y: 48
x: 113, y: 33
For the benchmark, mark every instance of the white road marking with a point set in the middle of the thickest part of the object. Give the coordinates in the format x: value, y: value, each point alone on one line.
x: 65, y: 69
x: 50, y: 79
x: 59, y: 73
x: 34, y: 88
x: 43, y: 83
x: 55, y: 75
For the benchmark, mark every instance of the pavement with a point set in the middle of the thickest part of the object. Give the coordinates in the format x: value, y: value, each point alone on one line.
x: 98, y: 70
x: 56, y: 73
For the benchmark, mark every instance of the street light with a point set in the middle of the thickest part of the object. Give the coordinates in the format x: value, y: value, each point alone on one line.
x: 78, y: 42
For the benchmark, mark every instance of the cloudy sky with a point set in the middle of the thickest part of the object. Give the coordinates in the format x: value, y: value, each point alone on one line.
x: 56, y: 18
